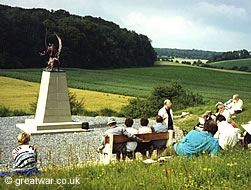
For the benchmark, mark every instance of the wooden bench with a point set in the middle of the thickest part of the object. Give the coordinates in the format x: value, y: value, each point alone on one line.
x: 106, y: 155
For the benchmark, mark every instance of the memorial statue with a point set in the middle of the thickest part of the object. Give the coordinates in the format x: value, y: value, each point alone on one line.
x: 53, y: 63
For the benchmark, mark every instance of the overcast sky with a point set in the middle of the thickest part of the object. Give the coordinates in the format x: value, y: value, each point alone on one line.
x: 218, y: 25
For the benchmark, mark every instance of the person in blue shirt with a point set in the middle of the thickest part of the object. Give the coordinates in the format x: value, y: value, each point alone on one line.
x: 196, y: 143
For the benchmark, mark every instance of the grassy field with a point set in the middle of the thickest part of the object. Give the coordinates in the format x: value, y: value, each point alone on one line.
x: 232, y: 63
x: 214, y: 85
x: 230, y: 170
x: 18, y: 94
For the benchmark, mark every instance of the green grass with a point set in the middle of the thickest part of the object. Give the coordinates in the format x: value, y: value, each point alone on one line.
x: 230, y: 170
x: 232, y: 63
x: 212, y: 84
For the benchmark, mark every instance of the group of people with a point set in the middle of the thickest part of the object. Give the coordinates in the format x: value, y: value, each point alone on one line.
x: 227, y: 133
x: 212, y: 133
x: 129, y: 148
x: 217, y: 133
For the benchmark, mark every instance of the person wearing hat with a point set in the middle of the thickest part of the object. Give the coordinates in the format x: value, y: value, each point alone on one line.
x: 167, y: 114
x: 218, y: 105
x: 118, y: 148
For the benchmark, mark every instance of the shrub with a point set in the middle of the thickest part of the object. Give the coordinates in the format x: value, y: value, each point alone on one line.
x: 75, y: 105
x: 235, y: 68
x: 6, y: 112
x: 107, y: 112
x: 150, y: 106
x: 243, y: 68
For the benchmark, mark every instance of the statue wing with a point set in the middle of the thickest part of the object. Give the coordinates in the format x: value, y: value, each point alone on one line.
x: 59, y: 46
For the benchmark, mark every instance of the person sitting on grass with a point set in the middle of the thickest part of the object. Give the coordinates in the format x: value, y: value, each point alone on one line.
x: 202, y: 122
x: 226, y: 134
x: 237, y: 105
x: 197, y: 142
x: 146, y: 146
x: 25, y: 156
x: 130, y: 146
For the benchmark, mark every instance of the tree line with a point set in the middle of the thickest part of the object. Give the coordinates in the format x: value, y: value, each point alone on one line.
x: 229, y: 55
x: 185, y: 53
x: 88, y: 42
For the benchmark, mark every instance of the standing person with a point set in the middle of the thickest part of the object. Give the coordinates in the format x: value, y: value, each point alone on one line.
x: 25, y: 156
x: 226, y: 134
x: 118, y: 148
x: 158, y: 128
x: 130, y: 146
x: 167, y: 114
x: 198, y: 142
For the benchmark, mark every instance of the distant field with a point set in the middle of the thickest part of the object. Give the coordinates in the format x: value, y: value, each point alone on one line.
x: 212, y: 84
x: 232, y: 63
x: 18, y: 94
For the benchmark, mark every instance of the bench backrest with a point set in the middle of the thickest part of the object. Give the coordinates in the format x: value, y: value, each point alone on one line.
x: 146, y: 137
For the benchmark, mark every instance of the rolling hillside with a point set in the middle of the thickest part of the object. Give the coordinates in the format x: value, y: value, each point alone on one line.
x: 233, y: 63
x: 212, y: 84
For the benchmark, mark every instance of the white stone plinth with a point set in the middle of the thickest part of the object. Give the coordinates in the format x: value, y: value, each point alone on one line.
x: 53, y: 114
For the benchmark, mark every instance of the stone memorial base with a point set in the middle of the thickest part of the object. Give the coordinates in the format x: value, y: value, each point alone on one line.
x: 53, y: 114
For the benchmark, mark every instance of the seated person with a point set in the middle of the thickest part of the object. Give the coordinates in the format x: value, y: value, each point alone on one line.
x: 202, y: 121
x: 237, y: 105
x: 158, y: 128
x: 198, y: 142
x: 24, y: 155
x: 226, y: 134
x: 217, y: 106
x: 146, y: 146
x: 210, y: 116
x: 118, y: 148
x: 225, y: 112
x: 130, y: 146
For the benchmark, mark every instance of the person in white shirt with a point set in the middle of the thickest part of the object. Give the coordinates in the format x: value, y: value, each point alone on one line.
x: 130, y: 146
x: 225, y: 112
x: 226, y: 134
x: 167, y: 114
x: 237, y: 105
x: 146, y: 146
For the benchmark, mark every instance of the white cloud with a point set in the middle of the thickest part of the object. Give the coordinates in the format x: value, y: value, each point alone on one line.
x: 180, y: 32
x: 222, y: 10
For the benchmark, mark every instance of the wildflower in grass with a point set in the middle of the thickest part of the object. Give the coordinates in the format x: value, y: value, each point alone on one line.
x: 238, y: 176
x: 204, y: 152
x: 180, y: 173
x: 209, y: 169
x: 230, y: 164
x: 190, y: 176
x: 205, y: 169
